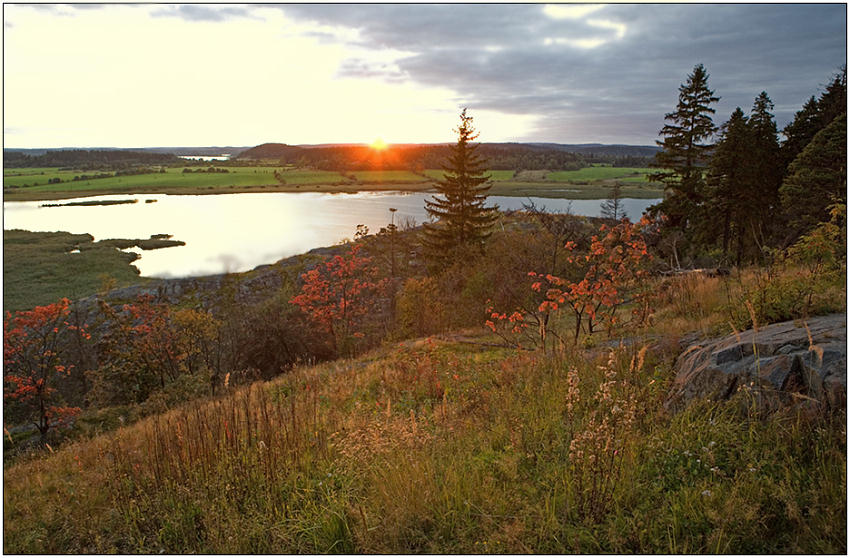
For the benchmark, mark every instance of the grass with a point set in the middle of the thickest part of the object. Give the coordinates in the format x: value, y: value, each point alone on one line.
x: 433, y: 447
x: 391, y: 176
x: 45, y: 260
x: 598, y: 173
x: 572, y: 191
x: 590, y: 183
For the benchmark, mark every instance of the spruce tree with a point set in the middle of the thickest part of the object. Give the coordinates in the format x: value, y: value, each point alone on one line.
x: 833, y: 101
x: 814, y: 117
x: 816, y: 179
x: 729, y: 179
x: 800, y: 131
x: 460, y: 219
x: 767, y: 167
x: 685, y: 151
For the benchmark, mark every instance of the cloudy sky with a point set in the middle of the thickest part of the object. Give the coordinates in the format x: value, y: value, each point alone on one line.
x: 139, y: 75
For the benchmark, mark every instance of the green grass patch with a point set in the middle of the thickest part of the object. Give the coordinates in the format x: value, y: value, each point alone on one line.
x: 567, y: 190
x: 387, y: 176
x: 313, y: 177
x: 598, y: 173
x: 589, y: 183
x: 495, y: 175
x: 39, y: 268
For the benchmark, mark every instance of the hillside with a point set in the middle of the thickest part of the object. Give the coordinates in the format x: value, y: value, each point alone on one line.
x: 86, y: 159
x: 436, y: 446
x: 499, y: 156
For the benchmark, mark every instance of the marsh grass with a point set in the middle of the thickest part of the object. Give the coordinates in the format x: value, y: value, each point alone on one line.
x: 45, y: 259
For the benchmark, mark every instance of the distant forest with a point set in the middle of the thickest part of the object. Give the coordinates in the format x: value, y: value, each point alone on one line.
x: 88, y: 160
x: 498, y: 156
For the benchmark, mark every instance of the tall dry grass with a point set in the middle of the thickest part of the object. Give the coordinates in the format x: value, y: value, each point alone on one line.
x: 432, y: 447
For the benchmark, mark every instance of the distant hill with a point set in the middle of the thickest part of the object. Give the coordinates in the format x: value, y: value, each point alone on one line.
x: 531, y: 156
x: 209, y: 151
x: 87, y: 159
x: 616, y: 150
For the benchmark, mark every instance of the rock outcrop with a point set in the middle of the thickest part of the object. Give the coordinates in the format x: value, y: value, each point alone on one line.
x: 780, y: 363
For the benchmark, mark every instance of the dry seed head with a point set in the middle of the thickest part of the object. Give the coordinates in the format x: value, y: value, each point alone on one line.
x: 641, y: 357
x: 751, y: 309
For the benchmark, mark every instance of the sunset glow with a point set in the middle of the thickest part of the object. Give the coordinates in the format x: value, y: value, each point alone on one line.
x: 378, y: 144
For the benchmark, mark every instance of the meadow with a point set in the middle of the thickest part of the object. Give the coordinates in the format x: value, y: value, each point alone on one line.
x: 589, y: 183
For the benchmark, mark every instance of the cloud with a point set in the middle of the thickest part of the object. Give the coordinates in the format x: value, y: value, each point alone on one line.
x: 362, y: 69
x: 588, y: 70
x: 195, y: 13
x: 560, y: 11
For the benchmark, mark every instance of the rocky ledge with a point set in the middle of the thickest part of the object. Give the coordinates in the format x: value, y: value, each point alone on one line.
x: 781, y: 363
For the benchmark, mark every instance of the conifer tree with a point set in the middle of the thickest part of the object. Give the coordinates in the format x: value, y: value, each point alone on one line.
x: 800, y: 131
x: 460, y: 218
x: 833, y: 101
x: 729, y: 178
x: 612, y: 208
x: 767, y: 169
x: 685, y: 148
x: 814, y: 117
x: 816, y: 179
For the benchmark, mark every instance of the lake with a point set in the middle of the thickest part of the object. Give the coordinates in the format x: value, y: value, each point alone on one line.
x: 237, y: 232
x: 225, y: 157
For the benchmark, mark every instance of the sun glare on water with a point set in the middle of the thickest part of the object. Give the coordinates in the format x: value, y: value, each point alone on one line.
x: 378, y: 144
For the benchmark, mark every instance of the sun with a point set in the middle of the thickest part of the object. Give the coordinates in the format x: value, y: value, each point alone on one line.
x: 378, y: 144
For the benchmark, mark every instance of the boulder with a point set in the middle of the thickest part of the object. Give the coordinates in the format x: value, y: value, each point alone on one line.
x: 781, y: 364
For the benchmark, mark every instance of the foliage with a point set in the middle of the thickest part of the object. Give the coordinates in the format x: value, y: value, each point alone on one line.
x: 807, y: 279
x: 341, y: 297
x: 33, y: 360
x: 419, y: 308
x: 613, y: 272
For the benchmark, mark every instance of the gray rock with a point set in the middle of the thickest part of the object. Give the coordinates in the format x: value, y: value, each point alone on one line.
x: 781, y: 363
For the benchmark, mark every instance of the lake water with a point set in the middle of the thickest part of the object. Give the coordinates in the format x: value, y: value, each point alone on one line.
x: 225, y: 157
x: 237, y: 232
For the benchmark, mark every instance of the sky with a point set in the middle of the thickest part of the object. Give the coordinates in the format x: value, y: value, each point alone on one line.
x: 144, y: 75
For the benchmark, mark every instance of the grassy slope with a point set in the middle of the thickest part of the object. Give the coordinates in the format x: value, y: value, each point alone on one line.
x: 442, y: 447
x: 44, y: 259
x: 590, y: 183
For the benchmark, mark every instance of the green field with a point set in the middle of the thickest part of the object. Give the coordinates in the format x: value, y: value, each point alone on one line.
x: 495, y: 175
x: 599, y: 173
x: 588, y: 183
x: 565, y: 190
x: 172, y: 178
x: 396, y: 176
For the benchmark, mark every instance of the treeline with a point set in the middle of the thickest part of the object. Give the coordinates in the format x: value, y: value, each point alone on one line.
x: 738, y: 193
x: 498, y: 156
x: 88, y: 159
x: 212, y: 170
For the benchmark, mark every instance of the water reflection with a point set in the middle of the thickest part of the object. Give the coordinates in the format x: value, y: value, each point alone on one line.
x: 237, y: 232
